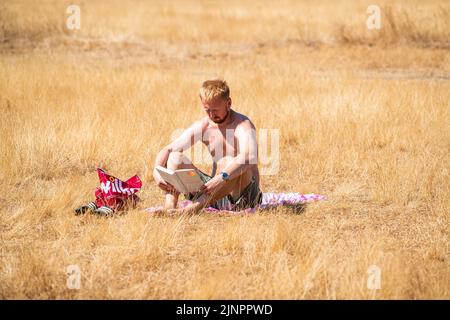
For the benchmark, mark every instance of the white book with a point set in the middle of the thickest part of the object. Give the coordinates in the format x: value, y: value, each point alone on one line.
x: 184, y: 180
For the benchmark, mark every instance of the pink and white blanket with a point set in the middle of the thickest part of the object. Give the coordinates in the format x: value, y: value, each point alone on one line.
x: 269, y: 200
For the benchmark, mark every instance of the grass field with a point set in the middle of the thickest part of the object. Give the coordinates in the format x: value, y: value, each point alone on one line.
x: 363, y: 118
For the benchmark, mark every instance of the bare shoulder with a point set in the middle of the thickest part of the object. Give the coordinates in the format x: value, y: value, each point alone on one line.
x: 200, y: 124
x: 243, y: 122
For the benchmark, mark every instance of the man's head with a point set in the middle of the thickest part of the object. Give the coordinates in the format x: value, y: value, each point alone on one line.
x: 215, y: 98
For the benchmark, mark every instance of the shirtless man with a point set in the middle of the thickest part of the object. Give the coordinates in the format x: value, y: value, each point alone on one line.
x: 231, y: 140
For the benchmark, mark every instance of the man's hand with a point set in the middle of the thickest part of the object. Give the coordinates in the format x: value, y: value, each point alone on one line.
x: 213, y: 185
x: 167, y: 187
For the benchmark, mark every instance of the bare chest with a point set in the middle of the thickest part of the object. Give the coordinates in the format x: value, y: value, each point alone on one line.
x: 221, y: 142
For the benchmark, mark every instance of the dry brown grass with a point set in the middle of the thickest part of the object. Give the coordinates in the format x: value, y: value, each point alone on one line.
x: 363, y: 118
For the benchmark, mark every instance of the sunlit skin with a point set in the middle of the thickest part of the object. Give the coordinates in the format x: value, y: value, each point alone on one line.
x: 218, y: 110
x: 228, y: 156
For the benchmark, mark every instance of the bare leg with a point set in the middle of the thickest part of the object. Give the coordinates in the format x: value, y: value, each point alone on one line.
x: 177, y: 160
x: 233, y: 187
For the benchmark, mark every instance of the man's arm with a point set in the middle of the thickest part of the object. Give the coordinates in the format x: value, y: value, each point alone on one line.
x: 186, y: 140
x: 247, y: 156
x: 248, y: 150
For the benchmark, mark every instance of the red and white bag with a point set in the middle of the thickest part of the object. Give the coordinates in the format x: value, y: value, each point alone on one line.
x: 115, y: 193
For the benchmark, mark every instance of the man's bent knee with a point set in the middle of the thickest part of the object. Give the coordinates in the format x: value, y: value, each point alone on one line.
x: 176, y: 160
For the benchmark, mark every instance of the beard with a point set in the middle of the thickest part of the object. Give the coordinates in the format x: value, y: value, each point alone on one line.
x: 219, y: 121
